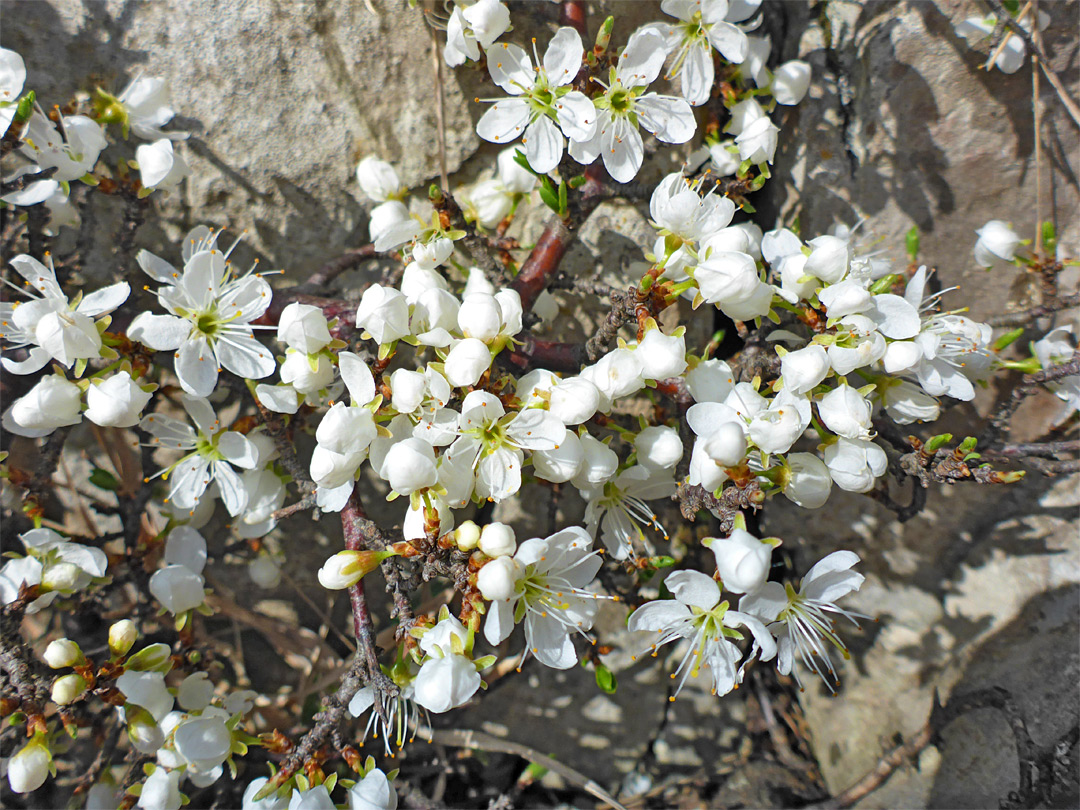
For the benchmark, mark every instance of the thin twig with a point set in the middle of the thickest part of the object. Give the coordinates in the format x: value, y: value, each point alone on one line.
x: 440, y: 121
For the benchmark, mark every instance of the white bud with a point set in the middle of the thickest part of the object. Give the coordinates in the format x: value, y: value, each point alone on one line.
x: 757, y: 142
x: 297, y: 371
x: 727, y: 277
x: 845, y: 298
x: 64, y: 577
x: 122, y: 636
x: 67, y: 689
x: 661, y: 355
x: 997, y: 241
x: 195, y: 692
x: 28, y: 769
x: 331, y: 470
x: 480, y: 317
x: 574, y: 400
x: 804, y: 369
x: 742, y: 560
x: 743, y: 114
x: 178, y: 588
x: 373, y: 792
x: 146, y: 689
x: 855, y: 464
x: 599, y: 465
x: 498, y: 540
x: 303, y: 327
x: 790, y: 82
x: 63, y: 652
x: 829, y: 258
x: 846, y: 412
x: 617, y: 374
x: 346, y: 430
x: 384, y: 313
x: 52, y: 403
x: 467, y: 362
x: 792, y: 275
x: 116, y: 402
x: 726, y: 445
x: 658, y: 447
x: 497, y: 580
x: 265, y: 572
x: 161, y: 791
x: 467, y: 536
x: 808, y: 483
x: 377, y: 179
x: 410, y: 466
x: 416, y: 280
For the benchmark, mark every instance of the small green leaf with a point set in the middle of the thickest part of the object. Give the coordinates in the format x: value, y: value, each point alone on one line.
x: 1049, y: 237
x: 578, y: 182
x: 912, y: 242
x: 563, y: 203
x: 605, y: 679
x: 523, y: 162
x: 103, y: 479
x: 935, y: 443
x: 549, y: 195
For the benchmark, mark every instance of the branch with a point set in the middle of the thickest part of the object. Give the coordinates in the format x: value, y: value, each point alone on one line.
x: 335, y: 267
x: 999, y: 422
x: 1026, y: 316
x: 1052, y: 77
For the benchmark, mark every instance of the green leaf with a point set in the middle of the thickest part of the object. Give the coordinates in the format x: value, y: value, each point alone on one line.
x: 1008, y: 339
x: 523, y: 162
x: 935, y: 443
x: 605, y: 679
x: 548, y: 194
x: 103, y: 479
x: 912, y: 242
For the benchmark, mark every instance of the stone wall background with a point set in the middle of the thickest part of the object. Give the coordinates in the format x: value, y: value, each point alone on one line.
x: 901, y: 128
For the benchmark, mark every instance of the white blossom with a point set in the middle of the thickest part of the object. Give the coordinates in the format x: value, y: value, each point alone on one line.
x: 855, y: 464
x: 742, y: 560
x: 52, y: 403
x: 618, y: 508
x: 160, y: 165
x: 702, y: 27
x: 116, y: 402
x: 12, y: 78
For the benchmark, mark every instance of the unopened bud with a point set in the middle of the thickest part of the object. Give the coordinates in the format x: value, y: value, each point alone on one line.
x: 145, y: 734
x: 498, y: 540
x: 122, y: 636
x: 67, y: 689
x: 29, y: 768
x: 62, y: 577
x: 346, y: 568
x: 467, y: 536
x: 63, y: 653
x: 497, y: 580
x: 155, y: 657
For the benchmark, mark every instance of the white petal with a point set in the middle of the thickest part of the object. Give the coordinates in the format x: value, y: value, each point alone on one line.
x: 244, y: 356
x: 661, y: 614
x: 697, y: 75
x: 543, y: 144
x: 197, y: 367
x: 694, y: 589
x: 730, y: 41
x: 670, y: 119
x: 231, y: 487
x: 357, y: 377
x: 643, y: 58
x: 577, y: 116
x: 536, y: 429
x: 510, y: 68
x: 104, y: 300
x: 623, y: 150
x: 563, y: 58
x: 238, y: 450
x: 549, y: 641
x: 505, y: 121
x: 156, y: 267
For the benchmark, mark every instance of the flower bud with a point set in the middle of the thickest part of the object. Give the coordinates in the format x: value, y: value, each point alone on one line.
x: 790, y: 82
x: 846, y: 412
x: 743, y: 114
x: 346, y: 568
x: 600, y: 463
x: 331, y: 470
x: 658, y: 447
x: 116, y: 402
x: 498, y: 540
x: 67, y: 689
x: 561, y: 463
x: 467, y: 362
x: 346, y: 430
x: 122, y: 636
x: 742, y: 560
x: 373, y: 792
x: 804, y: 369
x: 845, y: 298
x: 160, y: 165
x: 828, y: 259
x: 410, y: 466
x: 807, y: 481
x: 710, y: 381
x: 53, y: 402
x: 661, y: 355
x: 177, y: 588
x: 151, y: 658
x: 298, y: 372
x: 430, y: 255
x: 726, y: 445
x: 28, y: 769
x: 617, y: 374
x: 408, y: 389
x: 467, y: 536
x: 145, y: 734
x: 727, y: 277
x: 574, y: 400
x: 996, y: 241
x: 161, y: 791
x: 63, y: 652
x: 303, y: 327
x: 757, y: 143
x: 384, y: 313
x: 855, y: 464
x: 497, y: 580
x: 377, y: 179
x: 264, y: 572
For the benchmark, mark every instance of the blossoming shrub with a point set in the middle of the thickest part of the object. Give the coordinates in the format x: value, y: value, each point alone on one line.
x: 438, y: 381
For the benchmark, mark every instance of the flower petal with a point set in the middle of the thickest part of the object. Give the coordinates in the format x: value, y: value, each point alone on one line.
x: 197, y: 367
x: 622, y: 150
x: 577, y: 116
x: 357, y: 378
x: 104, y: 300
x: 244, y: 356
x: 694, y: 588
x: 510, y: 68
x: 563, y: 58
x: 670, y: 119
x: 543, y: 144
x: 505, y: 121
